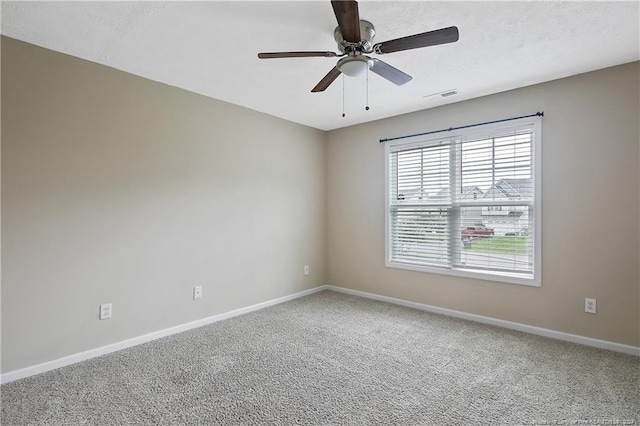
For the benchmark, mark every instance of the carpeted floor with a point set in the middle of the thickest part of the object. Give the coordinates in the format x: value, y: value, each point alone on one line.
x: 330, y: 359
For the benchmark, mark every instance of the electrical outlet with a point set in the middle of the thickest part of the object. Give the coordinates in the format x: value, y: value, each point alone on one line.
x: 306, y: 269
x: 197, y: 292
x: 105, y: 311
x: 590, y: 306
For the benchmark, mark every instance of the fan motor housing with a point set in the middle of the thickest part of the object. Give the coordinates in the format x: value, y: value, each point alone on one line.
x: 367, y: 32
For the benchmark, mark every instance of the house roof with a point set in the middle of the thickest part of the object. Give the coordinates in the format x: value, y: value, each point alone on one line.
x: 471, y: 188
x: 511, y: 189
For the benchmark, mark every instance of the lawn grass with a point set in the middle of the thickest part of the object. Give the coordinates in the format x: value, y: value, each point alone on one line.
x: 513, y: 245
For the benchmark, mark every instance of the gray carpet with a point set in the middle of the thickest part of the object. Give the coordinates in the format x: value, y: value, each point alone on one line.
x: 331, y: 359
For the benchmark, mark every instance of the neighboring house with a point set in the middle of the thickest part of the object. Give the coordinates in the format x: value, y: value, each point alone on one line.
x: 505, y: 219
x: 510, y: 189
x: 467, y: 193
x: 508, y: 218
x: 471, y: 215
x: 471, y: 193
x: 412, y: 194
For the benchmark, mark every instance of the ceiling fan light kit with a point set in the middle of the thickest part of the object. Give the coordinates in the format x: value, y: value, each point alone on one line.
x: 354, y: 66
x: 355, y: 41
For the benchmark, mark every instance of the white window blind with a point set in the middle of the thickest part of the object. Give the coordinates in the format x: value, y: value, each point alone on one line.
x: 421, y: 206
x: 466, y: 203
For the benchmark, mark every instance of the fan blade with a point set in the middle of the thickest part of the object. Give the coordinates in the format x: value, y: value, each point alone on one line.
x: 392, y: 74
x: 327, y: 80
x: 431, y: 38
x: 348, y: 19
x: 273, y: 55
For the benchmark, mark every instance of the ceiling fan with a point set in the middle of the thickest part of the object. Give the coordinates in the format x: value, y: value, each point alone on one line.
x: 355, y: 41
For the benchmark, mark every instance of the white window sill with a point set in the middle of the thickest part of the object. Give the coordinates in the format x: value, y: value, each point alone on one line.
x: 504, y: 277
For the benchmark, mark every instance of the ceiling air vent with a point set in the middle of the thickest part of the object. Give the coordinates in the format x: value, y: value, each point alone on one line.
x: 440, y: 95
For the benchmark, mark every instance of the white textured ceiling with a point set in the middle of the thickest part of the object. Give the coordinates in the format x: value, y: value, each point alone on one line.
x: 210, y: 48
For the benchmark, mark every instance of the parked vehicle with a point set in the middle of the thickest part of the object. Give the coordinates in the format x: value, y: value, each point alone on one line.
x: 477, y: 231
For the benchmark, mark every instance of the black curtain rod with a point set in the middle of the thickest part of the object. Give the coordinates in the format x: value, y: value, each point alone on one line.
x: 537, y: 114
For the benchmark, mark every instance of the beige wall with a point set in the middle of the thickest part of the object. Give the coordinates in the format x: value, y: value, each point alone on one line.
x: 590, y: 208
x: 119, y: 189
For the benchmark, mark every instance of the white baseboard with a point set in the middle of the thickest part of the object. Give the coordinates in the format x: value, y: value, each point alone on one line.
x: 92, y: 353
x: 588, y: 341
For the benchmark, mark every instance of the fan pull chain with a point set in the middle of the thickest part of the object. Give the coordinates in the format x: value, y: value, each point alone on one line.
x: 367, y: 103
x: 343, y: 95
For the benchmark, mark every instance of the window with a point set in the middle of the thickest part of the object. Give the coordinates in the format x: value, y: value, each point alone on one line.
x: 467, y: 204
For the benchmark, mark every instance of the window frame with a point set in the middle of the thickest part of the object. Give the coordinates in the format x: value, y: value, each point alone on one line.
x: 483, y: 131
